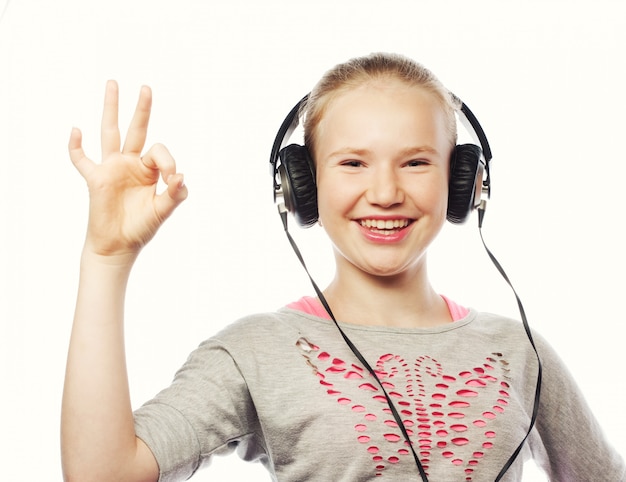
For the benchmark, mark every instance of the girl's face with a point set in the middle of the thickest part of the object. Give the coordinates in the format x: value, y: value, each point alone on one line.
x: 382, y: 159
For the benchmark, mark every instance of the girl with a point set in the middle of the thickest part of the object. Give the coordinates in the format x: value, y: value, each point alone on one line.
x: 412, y: 386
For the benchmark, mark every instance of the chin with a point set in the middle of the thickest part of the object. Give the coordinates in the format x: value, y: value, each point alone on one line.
x: 395, y: 270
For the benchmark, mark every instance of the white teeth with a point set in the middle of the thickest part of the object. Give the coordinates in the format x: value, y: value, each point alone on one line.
x: 387, y: 225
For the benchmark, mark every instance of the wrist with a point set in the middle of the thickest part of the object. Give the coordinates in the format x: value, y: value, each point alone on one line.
x: 118, y: 261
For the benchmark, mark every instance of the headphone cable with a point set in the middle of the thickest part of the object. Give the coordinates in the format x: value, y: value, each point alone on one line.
x: 533, y: 418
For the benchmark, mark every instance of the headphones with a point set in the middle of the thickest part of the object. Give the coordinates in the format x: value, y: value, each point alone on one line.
x: 293, y: 171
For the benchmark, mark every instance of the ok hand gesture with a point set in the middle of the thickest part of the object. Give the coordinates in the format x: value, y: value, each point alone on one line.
x: 125, y: 210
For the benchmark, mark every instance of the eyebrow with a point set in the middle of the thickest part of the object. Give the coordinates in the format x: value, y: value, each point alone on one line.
x: 409, y: 151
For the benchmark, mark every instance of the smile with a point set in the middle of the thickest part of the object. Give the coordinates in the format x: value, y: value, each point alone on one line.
x: 384, y: 226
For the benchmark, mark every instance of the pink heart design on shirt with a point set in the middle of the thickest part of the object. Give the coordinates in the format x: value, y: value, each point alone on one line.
x: 434, y: 406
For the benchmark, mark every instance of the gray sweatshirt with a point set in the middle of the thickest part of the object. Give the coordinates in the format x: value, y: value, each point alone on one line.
x: 284, y: 389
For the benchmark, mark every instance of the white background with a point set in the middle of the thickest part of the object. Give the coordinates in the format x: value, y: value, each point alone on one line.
x: 545, y: 78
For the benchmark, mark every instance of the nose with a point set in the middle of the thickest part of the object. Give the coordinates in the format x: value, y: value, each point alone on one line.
x: 385, y: 188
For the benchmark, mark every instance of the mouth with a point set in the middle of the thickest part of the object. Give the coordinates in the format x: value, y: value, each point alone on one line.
x: 386, y: 227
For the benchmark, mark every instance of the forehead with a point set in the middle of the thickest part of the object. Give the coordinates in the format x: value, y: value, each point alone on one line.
x: 383, y: 111
x: 381, y: 88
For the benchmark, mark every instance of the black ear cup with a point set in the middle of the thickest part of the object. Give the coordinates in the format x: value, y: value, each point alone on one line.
x: 466, y: 172
x: 297, y: 175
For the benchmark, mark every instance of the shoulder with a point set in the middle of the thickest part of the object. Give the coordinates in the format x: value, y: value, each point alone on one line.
x: 264, y: 333
x: 494, y: 321
x: 273, y: 323
x: 506, y: 328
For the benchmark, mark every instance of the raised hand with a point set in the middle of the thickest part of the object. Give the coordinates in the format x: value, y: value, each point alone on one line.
x: 125, y: 210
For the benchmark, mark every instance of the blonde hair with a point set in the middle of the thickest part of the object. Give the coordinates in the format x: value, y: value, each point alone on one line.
x: 360, y: 70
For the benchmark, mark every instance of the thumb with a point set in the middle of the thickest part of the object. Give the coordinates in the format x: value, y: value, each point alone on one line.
x: 175, y: 194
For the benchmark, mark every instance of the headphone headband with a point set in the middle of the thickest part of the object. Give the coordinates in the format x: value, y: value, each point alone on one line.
x: 284, y: 132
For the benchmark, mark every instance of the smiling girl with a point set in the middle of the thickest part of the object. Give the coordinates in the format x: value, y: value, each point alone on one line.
x: 411, y: 387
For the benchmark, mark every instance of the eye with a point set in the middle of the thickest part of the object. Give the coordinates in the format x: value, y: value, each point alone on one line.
x: 417, y: 163
x: 352, y: 163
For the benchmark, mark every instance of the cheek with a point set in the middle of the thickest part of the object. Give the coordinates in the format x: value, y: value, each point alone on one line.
x: 434, y: 196
x: 329, y: 197
x: 336, y: 196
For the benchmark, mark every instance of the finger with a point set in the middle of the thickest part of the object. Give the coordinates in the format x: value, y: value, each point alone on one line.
x: 176, y: 193
x: 159, y: 158
x: 138, y: 129
x: 77, y: 154
x: 110, y: 134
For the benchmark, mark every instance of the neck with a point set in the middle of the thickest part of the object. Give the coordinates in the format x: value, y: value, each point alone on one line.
x: 406, y: 300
